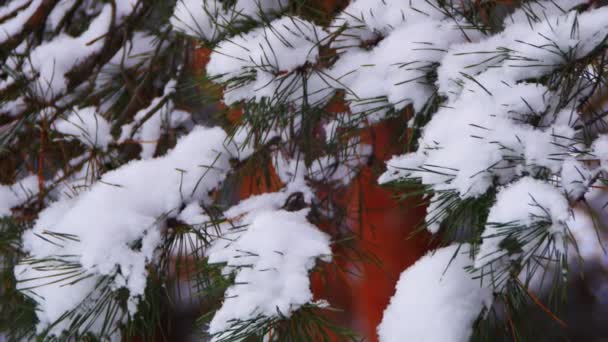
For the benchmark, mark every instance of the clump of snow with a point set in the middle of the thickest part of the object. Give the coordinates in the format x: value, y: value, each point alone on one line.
x: 16, y: 194
x: 269, y: 250
x: 271, y: 259
x: 365, y: 19
x: 136, y: 51
x: 398, y: 67
x: 522, y: 51
x: 600, y: 150
x: 101, y: 227
x: 52, y: 60
x: 400, y: 77
x: 436, y: 300
x: 491, y: 122
x: 208, y: 19
x: 589, y: 243
x: 491, y: 111
x: 147, y: 124
x: 537, y: 11
x: 524, y: 203
x: 15, y: 25
x: 343, y: 167
x: 58, y: 13
x: 87, y: 126
x: 260, y: 62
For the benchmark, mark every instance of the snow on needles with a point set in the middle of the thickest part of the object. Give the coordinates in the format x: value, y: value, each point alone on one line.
x: 87, y: 126
x: 112, y: 230
x: 437, y: 300
x: 526, y: 202
x: 502, y: 131
x: 398, y: 66
x: 271, y: 259
x: 490, y: 110
x: 52, y: 60
x: 208, y: 18
x: 253, y: 63
x: 270, y: 251
x: 16, y: 194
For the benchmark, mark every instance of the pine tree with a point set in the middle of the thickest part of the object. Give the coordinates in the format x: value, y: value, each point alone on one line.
x: 205, y: 151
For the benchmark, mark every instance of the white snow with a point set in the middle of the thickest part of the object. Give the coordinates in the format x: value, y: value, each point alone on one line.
x: 524, y: 202
x: 87, y: 126
x: 53, y: 59
x: 271, y: 257
x: 416, y: 37
x: 436, y: 300
x: 208, y: 18
x: 265, y: 54
x: 127, y: 205
x: 150, y: 128
x: 15, y: 25
x: 522, y: 51
x: 16, y: 194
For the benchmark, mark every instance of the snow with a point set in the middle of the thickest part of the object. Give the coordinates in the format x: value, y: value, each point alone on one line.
x: 271, y: 258
x: 268, y: 249
x: 53, y: 59
x: 576, y: 178
x: 537, y: 11
x: 58, y: 13
x: 208, y: 18
x: 366, y: 18
x: 524, y: 203
x: 397, y: 67
x: 600, y: 150
x: 14, y: 195
x: 523, y: 50
x: 490, y: 104
x: 137, y: 51
x: 87, y: 126
x: 436, y: 300
x: 11, y: 7
x: 589, y: 240
x: 15, y: 25
x: 150, y: 128
x: 489, y: 122
x: 263, y: 55
x: 497, y: 128
x: 341, y: 169
x: 127, y: 205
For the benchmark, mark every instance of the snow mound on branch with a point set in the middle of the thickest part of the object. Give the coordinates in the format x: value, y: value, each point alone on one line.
x: 53, y: 59
x: 395, y: 71
x: 366, y: 19
x: 437, y: 300
x: 522, y: 51
x: 259, y: 63
x: 271, y: 259
x: 270, y: 251
x: 16, y: 194
x: 208, y: 18
x: 87, y: 126
x: 397, y: 68
x: 537, y: 11
x: 484, y: 135
x: 481, y: 138
x: 524, y: 202
x: 15, y: 25
x: 112, y: 230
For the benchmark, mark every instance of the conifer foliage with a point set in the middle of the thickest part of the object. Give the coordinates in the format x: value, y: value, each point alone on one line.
x: 127, y: 125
